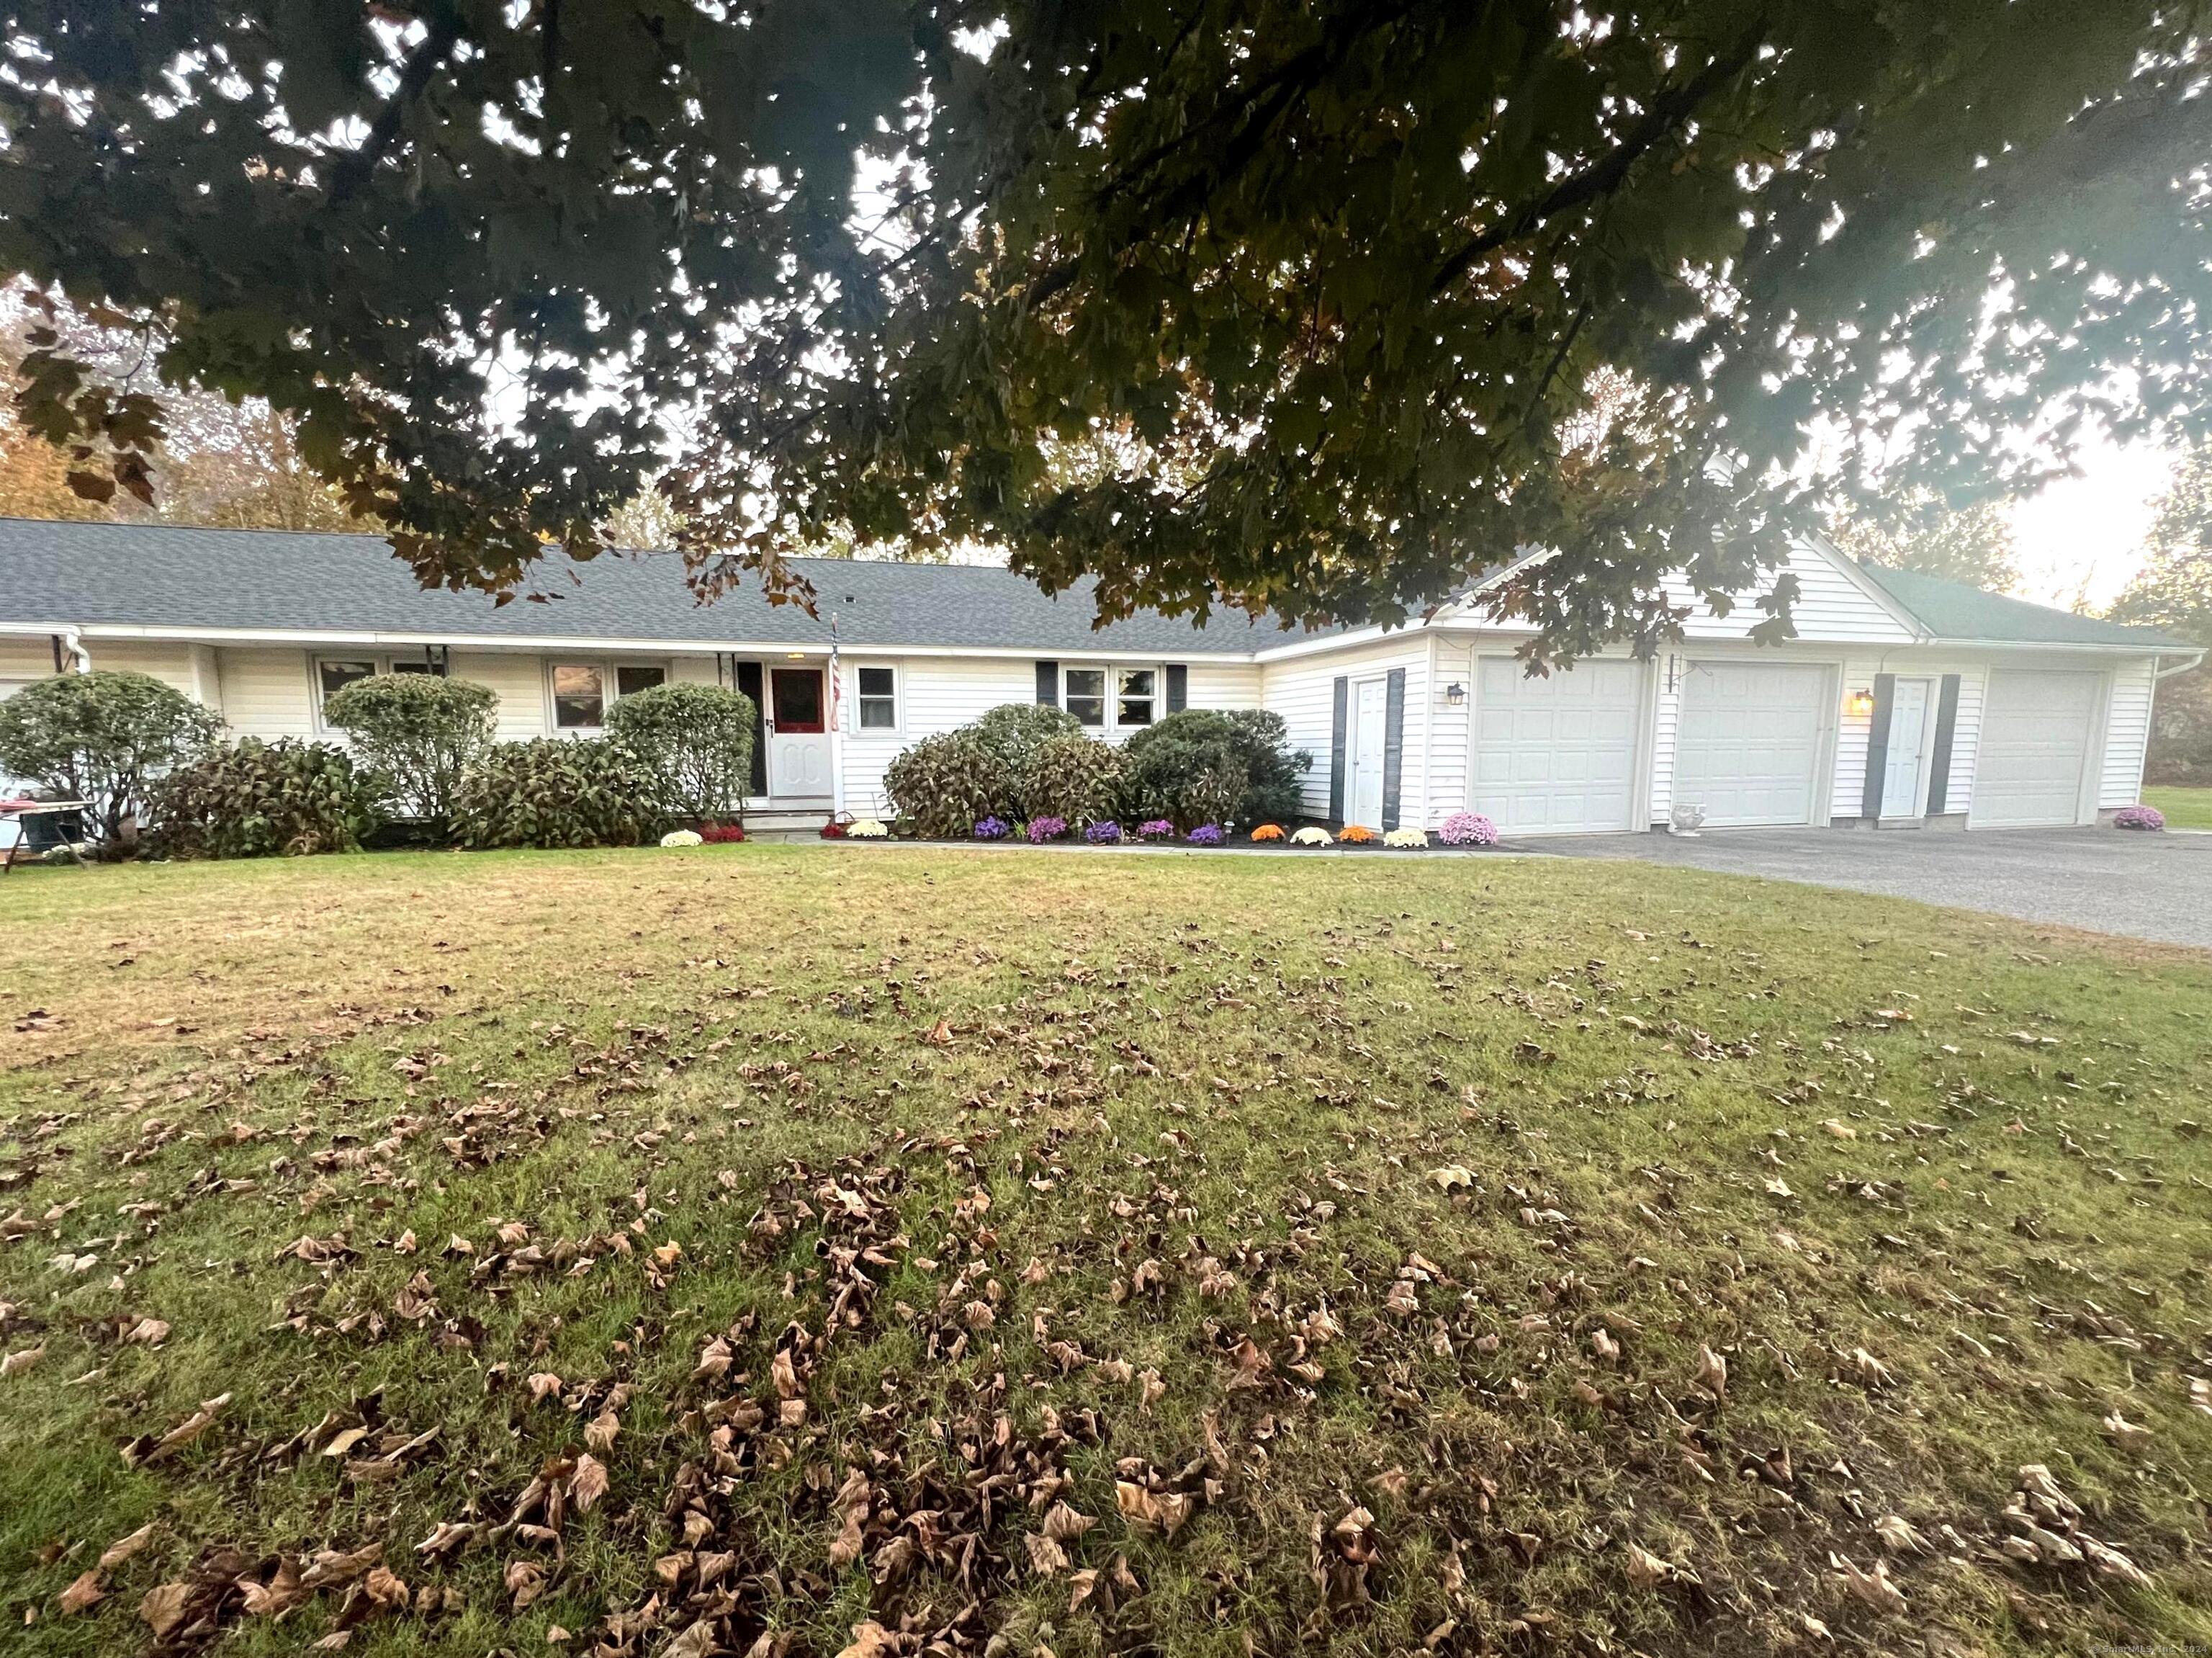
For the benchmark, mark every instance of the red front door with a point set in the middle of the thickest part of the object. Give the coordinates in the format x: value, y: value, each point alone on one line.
x: 795, y: 700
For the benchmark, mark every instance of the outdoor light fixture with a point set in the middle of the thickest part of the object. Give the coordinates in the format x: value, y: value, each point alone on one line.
x: 1859, y: 703
x: 1454, y: 694
x: 794, y: 656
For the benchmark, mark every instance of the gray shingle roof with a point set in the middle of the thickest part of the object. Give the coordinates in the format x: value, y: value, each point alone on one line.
x: 1952, y: 610
x: 165, y: 575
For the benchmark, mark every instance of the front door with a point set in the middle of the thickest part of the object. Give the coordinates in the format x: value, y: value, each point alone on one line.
x: 798, y: 735
x: 1369, y: 714
x: 1908, y: 726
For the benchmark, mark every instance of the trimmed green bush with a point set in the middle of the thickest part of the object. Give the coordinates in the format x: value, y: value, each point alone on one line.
x: 1071, y: 777
x: 558, y: 792
x: 1013, y: 732
x: 1212, y: 766
x: 102, y: 738
x: 259, y: 798
x: 942, y: 786
x: 418, y: 735
x: 699, y: 738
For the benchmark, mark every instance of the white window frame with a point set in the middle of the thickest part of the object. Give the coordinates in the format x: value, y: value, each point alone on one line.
x: 609, y: 669
x: 1113, y: 722
x: 897, y: 700
x: 380, y: 661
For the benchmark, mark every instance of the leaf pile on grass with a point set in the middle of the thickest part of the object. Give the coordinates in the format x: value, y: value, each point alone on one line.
x: 646, y: 1254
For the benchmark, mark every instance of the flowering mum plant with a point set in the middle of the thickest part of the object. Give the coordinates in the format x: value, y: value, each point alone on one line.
x: 684, y: 837
x: 1156, y: 829
x: 1355, y: 834
x: 1103, y: 834
x: 1207, y: 834
x: 1402, y: 837
x: 868, y: 829
x: 2139, y: 817
x: 1044, y: 829
x: 1310, y: 836
x: 1268, y: 832
x: 992, y: 828
x: 833, y: 831
x: 722, y: 834
x: 1467, y: 829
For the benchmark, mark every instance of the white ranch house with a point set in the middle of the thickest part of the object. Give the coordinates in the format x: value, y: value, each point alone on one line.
x: 1903, y: 700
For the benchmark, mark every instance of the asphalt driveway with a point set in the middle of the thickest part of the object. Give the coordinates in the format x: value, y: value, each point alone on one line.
x: 2107, y: 881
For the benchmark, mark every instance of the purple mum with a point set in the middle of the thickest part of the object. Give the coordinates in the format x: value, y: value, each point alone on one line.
x: 1467, y: 829
x: 1044, y: 829
x: 992, y: 828
x: 2139, y: 817
x: 1103, y: 834
x: 1156, y: 829
x: 1207, y: 834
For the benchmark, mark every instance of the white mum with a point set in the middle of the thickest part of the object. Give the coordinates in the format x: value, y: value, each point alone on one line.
x: 1406, y: 837
x: 682, y: 837
x: 1310, y: 836
x: 868, y: 829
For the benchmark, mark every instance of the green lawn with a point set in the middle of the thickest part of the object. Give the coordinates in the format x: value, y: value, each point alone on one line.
x: 766, y: 1250
x: 2184, y: 808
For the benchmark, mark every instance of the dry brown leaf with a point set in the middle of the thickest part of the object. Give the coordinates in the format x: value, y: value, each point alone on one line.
x: 281, y: 1593
x: 163, y: 1607
x: 1047, y: 1557
x: 544, y: 1385
x: 84, y: 1591
x: 1646, y: 1570
x: 21, y: 1359
x: 601, y: 1431
x: 1873, y: 1588
x: 870, y: 1640
x: 1898, y: 1536
x: 139, y: 1453
x: 588, y: 1483
x: 1713, y: 1373
x: 2128, y: 1436
x: 1063, y: 1524
x: 147, y: 1332
x: 122, y: 1548
x: 524, y: 1581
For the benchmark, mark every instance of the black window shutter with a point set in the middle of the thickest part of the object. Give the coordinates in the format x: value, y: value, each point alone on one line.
x: 748, y: 681
x: 1394, y: 744
x: 1885, y: 693
x: 1939, y: 763
x: 1336, y: 750
x: 1178, y: 687
x: 1047, y: 685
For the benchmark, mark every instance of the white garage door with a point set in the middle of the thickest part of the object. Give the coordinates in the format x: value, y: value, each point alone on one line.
x: 1557, y: 755
x: 1748, y: 745
x: 2036, y: 737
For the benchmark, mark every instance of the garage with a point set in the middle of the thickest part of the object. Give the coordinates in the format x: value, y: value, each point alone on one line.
x: 1556, y: 755
x: 1750, y: 739
x: 2037, y: 732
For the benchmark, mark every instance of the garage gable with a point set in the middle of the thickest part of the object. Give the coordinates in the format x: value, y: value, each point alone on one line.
x: 1835, y: 601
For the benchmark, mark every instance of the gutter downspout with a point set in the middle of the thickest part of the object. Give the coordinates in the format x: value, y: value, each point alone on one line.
x: 70, y: 644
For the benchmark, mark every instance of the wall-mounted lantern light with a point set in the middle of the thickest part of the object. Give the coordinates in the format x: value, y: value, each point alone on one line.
x: 1859, y: 704
x: 1454, y: 694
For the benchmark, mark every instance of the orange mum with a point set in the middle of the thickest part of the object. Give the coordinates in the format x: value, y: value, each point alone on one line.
x: 1357, y: 833
x: 1268, y: 832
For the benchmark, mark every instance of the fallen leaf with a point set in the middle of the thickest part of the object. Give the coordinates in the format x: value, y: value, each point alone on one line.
x: 163, y: 1607
x: 124, y: 1547
x: 589, y: 1482
x: 86, y: 1590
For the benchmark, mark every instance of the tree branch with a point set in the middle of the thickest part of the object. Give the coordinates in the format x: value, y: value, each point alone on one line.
x: 355, y: 168
x: 1601, y: 178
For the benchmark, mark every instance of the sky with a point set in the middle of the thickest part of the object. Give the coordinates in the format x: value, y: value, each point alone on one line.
x: 2082, y: 537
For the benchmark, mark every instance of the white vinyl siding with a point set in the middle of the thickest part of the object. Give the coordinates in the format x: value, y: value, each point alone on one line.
x: 1303, y: 689
x: 517, y: 678
x: 1832, y: 604
x: 266, y: 692
x: 2127, y: 731
x: 936, y: 694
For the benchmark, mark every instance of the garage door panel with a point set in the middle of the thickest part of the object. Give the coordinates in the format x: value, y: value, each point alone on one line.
x: 1556, y: 755
x: 1748, y: 744
x: 2036, y: 734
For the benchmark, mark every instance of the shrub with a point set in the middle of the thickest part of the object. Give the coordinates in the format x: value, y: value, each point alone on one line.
x: 102, y: 738
x: 1268, y: 832
x: 944, y: 784
x: 1467, y: 829
x: 418, y: 735
x: 558, y: 792
x: 1207, y: 834
x: 260, y: 799
x: 993, y: 829
x: 1072, y: 777
x: 1156, y: 829
x: 2139, y: 817
x: 1044, y: 829
x: 1203, y: 764
x: 1013, y: 732
x: 699, y: 738
x: 1107, y: 833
